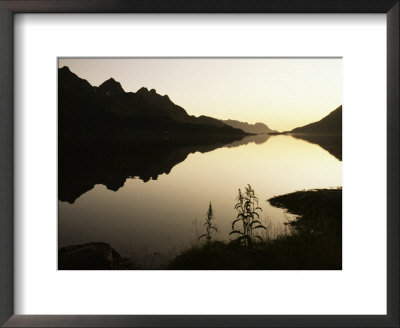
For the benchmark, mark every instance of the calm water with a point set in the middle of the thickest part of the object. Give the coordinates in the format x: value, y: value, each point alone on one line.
x: 153, y: 221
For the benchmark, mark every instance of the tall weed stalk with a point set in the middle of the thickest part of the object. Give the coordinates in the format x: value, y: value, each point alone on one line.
x: 247, y: 219
x: 209, y: 225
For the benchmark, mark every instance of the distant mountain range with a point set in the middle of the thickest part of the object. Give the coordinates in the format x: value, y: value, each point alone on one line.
x: 249, y: 128
x: 90, y: 115
x: 330, y: 124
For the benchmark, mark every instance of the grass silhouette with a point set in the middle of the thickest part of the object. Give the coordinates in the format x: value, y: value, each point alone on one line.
x: 247, y: 208
x: 209, y: 226
x: 314, y: 242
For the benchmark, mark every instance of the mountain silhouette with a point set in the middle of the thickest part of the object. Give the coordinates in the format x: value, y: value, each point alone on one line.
x: 249, y: 128
x: 327, y: 133
x: 107, y: 114
x: 111, y: 88
x: 330, y: 124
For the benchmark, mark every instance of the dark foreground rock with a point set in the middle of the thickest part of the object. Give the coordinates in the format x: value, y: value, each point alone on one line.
x: 91, y: 256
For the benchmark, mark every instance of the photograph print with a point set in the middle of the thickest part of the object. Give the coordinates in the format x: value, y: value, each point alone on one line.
x: 199, y: 163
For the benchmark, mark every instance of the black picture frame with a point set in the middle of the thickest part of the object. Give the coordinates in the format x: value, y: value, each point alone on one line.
x: 10, y: 7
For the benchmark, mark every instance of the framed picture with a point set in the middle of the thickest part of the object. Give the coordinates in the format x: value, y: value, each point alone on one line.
x: 155, y: 158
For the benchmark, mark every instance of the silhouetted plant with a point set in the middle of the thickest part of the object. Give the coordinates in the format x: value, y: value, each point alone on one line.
x: 247, y: 208
x: 208, y: 223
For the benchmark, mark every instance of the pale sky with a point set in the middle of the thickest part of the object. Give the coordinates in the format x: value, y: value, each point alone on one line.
x: 283, y: 93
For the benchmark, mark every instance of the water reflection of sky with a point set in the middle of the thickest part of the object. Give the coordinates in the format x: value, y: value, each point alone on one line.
x: 160, y: 217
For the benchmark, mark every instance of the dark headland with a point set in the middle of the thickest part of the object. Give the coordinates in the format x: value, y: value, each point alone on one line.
x: 327, y: 133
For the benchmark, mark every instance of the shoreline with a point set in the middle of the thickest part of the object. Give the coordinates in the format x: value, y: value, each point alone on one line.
x: 314, y: 243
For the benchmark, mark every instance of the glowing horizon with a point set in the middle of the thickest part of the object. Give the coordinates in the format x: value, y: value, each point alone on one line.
x: 282, y: 93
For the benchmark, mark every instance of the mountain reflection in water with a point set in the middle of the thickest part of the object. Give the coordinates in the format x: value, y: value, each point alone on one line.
x: 331, y: 143
x: 81, y: 169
